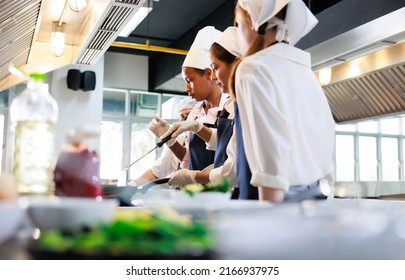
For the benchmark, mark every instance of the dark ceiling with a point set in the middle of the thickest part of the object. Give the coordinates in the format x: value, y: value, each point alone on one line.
x: 174, y: 24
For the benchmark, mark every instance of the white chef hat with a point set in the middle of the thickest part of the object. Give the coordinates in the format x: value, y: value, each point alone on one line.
x: 185, y: 103
x: 199, y: 54
x: 229, y: 40
x: 298, y: 22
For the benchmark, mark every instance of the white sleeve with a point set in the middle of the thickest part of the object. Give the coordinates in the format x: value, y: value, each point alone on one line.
x: 166, y: 164
x: 228, y: 170
x: 212, y: 143
x: 266, y: 131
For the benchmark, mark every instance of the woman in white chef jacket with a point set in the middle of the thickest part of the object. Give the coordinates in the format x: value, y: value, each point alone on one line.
x: 224, y: 53
x: 196, y: 73
x: 288, y: 129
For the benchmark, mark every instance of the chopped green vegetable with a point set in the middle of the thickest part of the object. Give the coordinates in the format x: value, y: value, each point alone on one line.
x: 222, y: 186
x: 164, y: 233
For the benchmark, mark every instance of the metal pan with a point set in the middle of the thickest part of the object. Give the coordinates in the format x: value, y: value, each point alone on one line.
x: 125, y: 194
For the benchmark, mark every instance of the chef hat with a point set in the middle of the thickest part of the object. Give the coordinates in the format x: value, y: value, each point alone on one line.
x: 199, y: 54
x: 298, y: 22
x: 229, y: 40
x: 185, y: 103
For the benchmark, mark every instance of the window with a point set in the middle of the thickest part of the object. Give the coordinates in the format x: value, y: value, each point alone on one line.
x: 367, y: 158
x: 345, y: 158
x: 371, y: 150
x: 389, y: 159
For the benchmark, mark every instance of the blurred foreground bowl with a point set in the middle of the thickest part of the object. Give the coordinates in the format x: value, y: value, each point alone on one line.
x: 11, y: 217
x: 60, y: 213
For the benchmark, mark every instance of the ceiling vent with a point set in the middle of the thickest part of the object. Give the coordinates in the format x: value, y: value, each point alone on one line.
x: 114, y: 18
x: 18, y: 23
x: 378, y: 93
x: 360, y: 41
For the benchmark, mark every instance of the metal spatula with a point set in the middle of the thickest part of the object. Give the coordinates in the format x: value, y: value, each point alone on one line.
x: 123, y: 177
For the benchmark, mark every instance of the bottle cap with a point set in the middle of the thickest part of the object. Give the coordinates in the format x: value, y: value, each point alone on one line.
x: 38, y: 77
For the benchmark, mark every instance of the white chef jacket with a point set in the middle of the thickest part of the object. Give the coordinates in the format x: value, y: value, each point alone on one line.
x: 198, y: 113
x: 288, y: 129
x: 167, y: 163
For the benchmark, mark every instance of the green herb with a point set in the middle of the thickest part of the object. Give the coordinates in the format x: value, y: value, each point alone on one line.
x: 221, y: 186
x: 164, y: 233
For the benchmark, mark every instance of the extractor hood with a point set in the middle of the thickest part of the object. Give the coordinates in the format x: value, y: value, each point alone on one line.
x: 25, y: 32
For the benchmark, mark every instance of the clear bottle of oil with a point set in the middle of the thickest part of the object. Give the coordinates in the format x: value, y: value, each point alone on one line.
x: 33, y: 115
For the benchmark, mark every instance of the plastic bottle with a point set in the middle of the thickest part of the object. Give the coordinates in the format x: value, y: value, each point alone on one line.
x: 78, y: 166
x: 33, y: 116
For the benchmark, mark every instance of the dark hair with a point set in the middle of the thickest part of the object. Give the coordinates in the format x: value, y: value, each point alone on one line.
x: 222, y: 54
x: 256, y: 45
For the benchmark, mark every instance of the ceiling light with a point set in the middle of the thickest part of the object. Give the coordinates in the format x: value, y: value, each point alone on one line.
x: 58, y: 38
x: 137, y: 18
x: 78, y: 5
x: 325, y: 76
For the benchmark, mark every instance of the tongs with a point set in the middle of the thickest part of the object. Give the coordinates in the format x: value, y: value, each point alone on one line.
x: 122, y: 180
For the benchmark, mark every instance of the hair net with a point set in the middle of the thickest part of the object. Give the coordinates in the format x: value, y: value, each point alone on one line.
x: 185, y: 103
x: 298, y: 22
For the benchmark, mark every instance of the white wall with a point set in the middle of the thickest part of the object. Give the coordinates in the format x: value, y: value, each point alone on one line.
x: 126, y: 71
x: 77, y: 107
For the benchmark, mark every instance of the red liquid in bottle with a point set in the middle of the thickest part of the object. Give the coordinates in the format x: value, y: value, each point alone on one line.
x: 77, y: 174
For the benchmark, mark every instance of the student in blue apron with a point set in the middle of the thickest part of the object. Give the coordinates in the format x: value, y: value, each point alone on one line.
x: 287, y: 125
x: 196, y: 73
x: 224, y: 53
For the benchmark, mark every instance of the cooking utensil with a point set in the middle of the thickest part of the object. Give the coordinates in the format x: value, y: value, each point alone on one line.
x: 125, y: 193
x: 123, y: 178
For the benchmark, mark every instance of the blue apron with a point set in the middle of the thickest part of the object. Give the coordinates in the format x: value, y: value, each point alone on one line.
x: 200, y: 157
x: 224, y: 134
x: 246, y: 190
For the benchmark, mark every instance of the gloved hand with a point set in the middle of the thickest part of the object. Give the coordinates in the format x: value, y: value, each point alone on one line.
x: 179, y: 127
x: 158, y: 126
x: 182, y: 178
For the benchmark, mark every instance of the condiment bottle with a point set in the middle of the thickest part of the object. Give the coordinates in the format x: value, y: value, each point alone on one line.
x: 78, y: 166
x: 33, y: 115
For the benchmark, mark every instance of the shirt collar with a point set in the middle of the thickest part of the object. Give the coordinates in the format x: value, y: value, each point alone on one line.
x: 291, y: 53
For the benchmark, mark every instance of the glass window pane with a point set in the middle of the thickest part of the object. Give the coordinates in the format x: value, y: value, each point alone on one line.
x: 142, y: 141
x: 367, y: 158
x: 390, y: 126
x: 344, y: 158
x: 114, y: 102
x: 4, y: 98
x: 1, y: 139
x: 403, y: 159
x: 403, y: 125
x: 144, y: 104
x: 169, y: 103
x: 389, y: 159
x: 368, y: 127
x: 345, y: 127
x: 111, y: 142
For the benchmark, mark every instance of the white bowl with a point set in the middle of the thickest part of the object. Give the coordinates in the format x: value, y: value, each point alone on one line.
x: 60, y: 213
x: 11, y: 218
